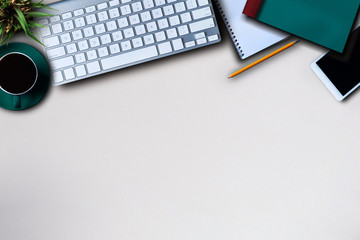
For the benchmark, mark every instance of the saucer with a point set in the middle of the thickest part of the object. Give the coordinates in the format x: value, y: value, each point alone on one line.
x: 37, y: 93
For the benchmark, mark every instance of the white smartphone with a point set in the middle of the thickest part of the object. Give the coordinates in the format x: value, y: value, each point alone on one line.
x: 341, y: 72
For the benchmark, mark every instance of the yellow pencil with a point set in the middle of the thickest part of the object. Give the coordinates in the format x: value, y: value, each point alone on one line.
x: 263, y: 59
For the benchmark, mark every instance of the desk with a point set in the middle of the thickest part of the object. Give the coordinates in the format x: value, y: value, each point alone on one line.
x: 172, y: 149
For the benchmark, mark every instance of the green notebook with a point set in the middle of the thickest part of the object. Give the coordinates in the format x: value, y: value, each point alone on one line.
x: 326, y: 22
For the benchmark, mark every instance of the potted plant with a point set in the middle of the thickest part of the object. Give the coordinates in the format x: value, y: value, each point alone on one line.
x: 18, y: 15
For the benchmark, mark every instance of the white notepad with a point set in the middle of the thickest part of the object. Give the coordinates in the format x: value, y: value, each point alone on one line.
x: 248, y: 35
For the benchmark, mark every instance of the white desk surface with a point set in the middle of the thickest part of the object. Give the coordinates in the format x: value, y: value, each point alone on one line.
x: 174, y: 150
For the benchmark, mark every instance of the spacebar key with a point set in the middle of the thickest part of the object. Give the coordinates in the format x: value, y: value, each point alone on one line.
x: 129, y: 57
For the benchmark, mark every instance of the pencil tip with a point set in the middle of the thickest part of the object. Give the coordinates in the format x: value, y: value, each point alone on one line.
x: 296, y: 41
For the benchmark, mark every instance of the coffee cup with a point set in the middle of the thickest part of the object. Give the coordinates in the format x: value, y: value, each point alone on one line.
x: 18, y: 75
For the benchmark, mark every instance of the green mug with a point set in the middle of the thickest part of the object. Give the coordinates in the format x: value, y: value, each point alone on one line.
x: 19, y: 75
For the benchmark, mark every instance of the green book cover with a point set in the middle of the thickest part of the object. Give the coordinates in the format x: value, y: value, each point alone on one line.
x: 326, y: 22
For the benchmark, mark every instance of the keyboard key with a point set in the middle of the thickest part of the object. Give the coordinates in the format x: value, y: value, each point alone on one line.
x: 157, y: 13
x: 183, y: 30
x: 111, y: 26
x: 165, y: 48
x: 125, y: 10
x: 140, y: 30
x: 134, y: 19
x: 56, y: 28
x: 43, y: 21
x: 137, y: 42
x: 79, y: 22
x: 68, y: 25
x: 149, y: 39
x: 199, y: 35
x: 129, y: 57
x: 201, y: 13
x: 80, y: 58
x: 114, y: 48
x: 94, y: 42
x: 151, y: 26
x: 160, y: 36
x: 105, y: 39
x: 177, y: 44
x: 103, y: 52
x: 145, y: 16
x: 185, y: 17
x: 137, y: 7
x: 91, y: 55
x: 174, y: 20
x: 71, y: 48
x: 102, y: 16
x: 57, y: 77
x: 213, y: 38
x: 159, y: 2
x: 102, y: 6
x: 171, y: 33
x: 77, y: 35
x: 54, y: 19
x: 69, y: 74
x: 100, y: 28
x: 83, y: 45
x: 126, y: 45
x: 56, y: 52
x: 148, y: 4
x: 163, y: 23
x: 88, y: 32
x: 93, y: 67
x: 190, y: 4
x: 114, y: 3
x: 80, y: 70
x: 168, y: 10
x: 65, y: 38
x: 201, y: 41
x: 123, y: 22
x: 128, y: 32
x: 66, y: 15
x: 91, y: 19
x: 202, y: 25
x: 180, y: 7
x: 90, y: 9
x: 44, y: 32
x: 51, y: 42
x: 114, y: 13
x: 203, y: 2
x: 78, y: 12
x: 190, y: 44
x: 62, y: 63
x: 117, y: 36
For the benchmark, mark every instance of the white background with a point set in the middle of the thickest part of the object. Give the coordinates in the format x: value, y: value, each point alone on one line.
x: 172, y: 149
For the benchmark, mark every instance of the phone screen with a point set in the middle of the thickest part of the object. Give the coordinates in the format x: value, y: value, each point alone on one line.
x: 343, y: 70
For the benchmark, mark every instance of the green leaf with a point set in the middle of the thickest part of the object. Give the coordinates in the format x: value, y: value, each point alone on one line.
x: 35, y: 24
x: 35, y: 38
x: 37, y: 14
x: 21, y: 18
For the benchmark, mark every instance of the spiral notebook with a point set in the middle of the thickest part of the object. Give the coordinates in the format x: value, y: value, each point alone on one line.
x: 248, y: 35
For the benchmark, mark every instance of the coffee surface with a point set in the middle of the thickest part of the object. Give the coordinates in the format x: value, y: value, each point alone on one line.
x: 17, y: 73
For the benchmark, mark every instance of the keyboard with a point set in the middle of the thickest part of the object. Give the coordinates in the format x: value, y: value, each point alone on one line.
x: 87, y: 38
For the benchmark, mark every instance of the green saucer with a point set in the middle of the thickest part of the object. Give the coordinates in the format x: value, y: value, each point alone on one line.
x: 35, y: 95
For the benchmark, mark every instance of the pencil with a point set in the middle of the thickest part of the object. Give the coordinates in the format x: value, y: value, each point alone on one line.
x: 263, y: 59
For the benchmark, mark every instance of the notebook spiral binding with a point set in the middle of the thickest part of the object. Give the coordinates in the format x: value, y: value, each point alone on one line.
x: 228, y: 26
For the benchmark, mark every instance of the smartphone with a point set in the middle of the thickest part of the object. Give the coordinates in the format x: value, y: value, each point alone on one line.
x: 340, y: 72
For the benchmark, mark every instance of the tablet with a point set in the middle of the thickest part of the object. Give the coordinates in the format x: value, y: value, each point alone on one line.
x: 341, y: 72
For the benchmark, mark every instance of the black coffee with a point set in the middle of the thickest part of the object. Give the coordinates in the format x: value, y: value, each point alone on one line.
x: 17, y: 73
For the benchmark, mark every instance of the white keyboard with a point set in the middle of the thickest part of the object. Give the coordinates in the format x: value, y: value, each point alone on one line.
x: 92, y: 37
